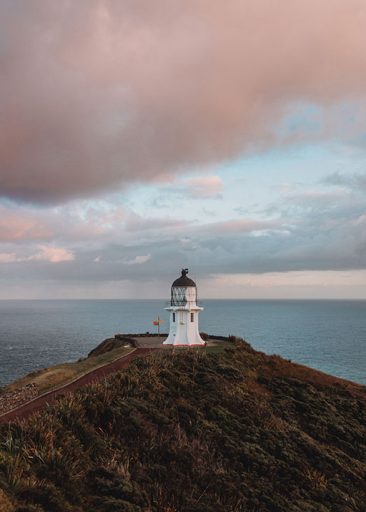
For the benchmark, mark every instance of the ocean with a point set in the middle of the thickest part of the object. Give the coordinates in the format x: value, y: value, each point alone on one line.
x: 324, y: 334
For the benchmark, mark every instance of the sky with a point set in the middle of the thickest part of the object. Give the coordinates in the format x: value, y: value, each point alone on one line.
x: 139, y: 137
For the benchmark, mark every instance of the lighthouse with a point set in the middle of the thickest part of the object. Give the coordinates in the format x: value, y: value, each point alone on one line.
x: 184, y: 313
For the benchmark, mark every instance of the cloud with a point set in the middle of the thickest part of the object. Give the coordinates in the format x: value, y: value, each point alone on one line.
x: 308, y: 228
x: 8, y: 257
x: 201, y: 187
x: 294, y: 285
x: 44, y: 253
x: 226, y: 248
x: 99, y: 94
x: 29, y: 224
x: 232, y: 226
x: 52, y: 254
x: 138, y: 260
x: 355, y: 181
x: 21, y: 225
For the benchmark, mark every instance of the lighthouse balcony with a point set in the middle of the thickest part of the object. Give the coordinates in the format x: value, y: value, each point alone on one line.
x: 186, y: 308
x: 185, y: 304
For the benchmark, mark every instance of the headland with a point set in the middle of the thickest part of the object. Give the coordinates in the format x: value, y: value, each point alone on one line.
x: 217, y: 428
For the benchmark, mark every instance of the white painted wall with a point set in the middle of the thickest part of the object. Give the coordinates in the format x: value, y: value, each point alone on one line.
x: 183, y: 331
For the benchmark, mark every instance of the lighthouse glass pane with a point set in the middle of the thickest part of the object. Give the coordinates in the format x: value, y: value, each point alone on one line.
x: 182, y: 295
x: 178, y: 297
x: 191, y: 294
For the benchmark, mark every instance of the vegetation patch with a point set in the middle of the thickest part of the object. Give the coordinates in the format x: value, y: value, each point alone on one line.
x: 55, y: 376
x: 111, y: 344
x: 194, y: 431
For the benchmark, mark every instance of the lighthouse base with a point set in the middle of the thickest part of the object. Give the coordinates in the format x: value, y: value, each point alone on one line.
x: 167, y: 342
x: 184, y: 327
x: 184, y: 346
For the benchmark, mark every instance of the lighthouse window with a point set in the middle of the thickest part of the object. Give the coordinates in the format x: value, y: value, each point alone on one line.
x: 173, y: 317
x: 192, y: 317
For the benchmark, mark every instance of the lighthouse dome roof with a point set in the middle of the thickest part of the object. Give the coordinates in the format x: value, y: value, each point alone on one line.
x: 183, y: 280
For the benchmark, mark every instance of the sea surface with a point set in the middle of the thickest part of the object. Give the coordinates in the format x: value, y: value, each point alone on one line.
x: 327, y: 335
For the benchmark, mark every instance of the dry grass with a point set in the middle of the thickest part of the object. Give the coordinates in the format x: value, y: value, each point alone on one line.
x: 193, y: 430
x: 55, y: 376
x: 279, y: 366
x: 5, y: 503
x: 317, y: 479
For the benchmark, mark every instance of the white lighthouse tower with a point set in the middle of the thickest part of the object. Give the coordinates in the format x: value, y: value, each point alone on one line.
x: 184, y: 313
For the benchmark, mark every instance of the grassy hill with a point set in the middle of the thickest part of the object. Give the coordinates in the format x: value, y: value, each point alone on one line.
x: 49, y: 378
x: 232, y: 430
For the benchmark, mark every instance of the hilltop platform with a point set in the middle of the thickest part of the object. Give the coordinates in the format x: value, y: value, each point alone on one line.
x: 150, y: 340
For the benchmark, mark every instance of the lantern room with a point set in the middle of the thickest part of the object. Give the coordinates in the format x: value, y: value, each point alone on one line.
x: 184, y: 312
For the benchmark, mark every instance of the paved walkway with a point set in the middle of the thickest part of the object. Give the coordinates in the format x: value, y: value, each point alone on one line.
x: 145, y: 341
x: 25, y: 410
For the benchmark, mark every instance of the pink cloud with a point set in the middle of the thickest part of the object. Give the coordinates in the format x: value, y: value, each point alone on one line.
x: 204, y: 187
x: 44, y: 253
x: 7, y: 257
x: 21, y: 226
x: 52, y: 254
x: 102, y: 93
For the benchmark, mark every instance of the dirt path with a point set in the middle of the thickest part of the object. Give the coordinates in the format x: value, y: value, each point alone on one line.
x: 25, y: 410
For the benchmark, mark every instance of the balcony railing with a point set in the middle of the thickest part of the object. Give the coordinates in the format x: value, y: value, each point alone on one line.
x: 181, y: 303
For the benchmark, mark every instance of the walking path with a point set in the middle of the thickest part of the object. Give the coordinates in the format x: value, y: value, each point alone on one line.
x: 34, y: 405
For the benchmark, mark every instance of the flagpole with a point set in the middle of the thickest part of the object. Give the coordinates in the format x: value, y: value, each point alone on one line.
x: 157, y: 322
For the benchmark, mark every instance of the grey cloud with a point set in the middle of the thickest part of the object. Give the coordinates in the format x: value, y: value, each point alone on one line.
x: 96, y: 94
x: 332, y: 246
x: 321, y: 229
x: 355, y: 181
